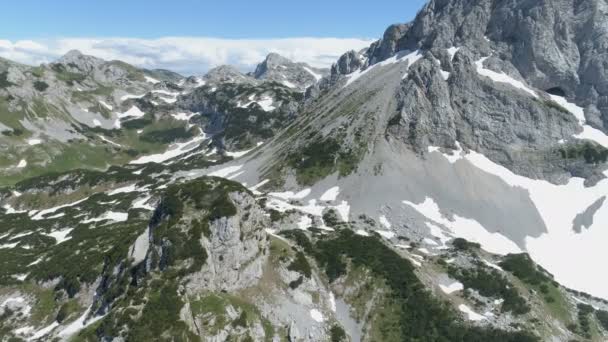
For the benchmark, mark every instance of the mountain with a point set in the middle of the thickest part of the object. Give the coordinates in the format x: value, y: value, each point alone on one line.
x: 294, y: 75
x: 447, y: 183
x: 81, y: 111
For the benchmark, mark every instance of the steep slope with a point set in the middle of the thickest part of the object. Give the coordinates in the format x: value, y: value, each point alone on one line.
x: 454, y: 132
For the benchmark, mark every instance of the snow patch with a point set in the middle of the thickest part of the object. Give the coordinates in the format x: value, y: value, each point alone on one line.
x: 384, y: 222
x: 108, y: 140
x: 502, y: 77
x: 314, y: 74
x: 151, y: 79
x: 317, y: 315
x: 331, y: 194
x: 60, y: 235
x: 109, y: 216
x: 173, y: 151
x: 39, y: 215
x: 134, y: 112
x: 451, y: 288
x: 121, y: 190
x: 471, y: 315
x: 140, y: 247
x: 33, y: 142
x: 109, y: 107
x: 466, y: 228
x: 402, y: 56
x: 588, y: 132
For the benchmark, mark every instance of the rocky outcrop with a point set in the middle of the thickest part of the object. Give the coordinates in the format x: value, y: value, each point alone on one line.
x: 236, y: 249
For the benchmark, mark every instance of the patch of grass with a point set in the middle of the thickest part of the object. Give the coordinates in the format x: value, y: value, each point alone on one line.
x: 168, y: 135
x: 67, y: 76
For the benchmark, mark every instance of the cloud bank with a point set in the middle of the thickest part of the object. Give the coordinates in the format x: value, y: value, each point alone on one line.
x: 186, y: 55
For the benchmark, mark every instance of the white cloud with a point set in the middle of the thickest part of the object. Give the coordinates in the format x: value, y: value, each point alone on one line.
x: 187, y: 55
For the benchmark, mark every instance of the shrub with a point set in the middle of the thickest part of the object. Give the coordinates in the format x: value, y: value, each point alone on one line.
x: 602, y: 317
x: 464, y: 245
x: 522, y: 266
x: 301, y: 265
x: 337, y: 334
x: 330, y: 218
x: 40, y: 86
x: 4, y: 82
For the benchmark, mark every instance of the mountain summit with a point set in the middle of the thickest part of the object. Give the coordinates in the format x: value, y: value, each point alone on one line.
x: 282, y: 70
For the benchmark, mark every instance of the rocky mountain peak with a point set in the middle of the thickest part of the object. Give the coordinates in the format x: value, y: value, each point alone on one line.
x: 272, y: 61
x: 225, y: 73
x: 291, y: 74
x: 78, y: 60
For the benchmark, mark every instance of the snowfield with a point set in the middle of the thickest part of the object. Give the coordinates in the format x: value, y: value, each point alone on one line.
x: 557, y: 205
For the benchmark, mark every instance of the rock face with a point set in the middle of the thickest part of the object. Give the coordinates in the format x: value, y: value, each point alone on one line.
x: 551, y: 44
x: 236, y: 249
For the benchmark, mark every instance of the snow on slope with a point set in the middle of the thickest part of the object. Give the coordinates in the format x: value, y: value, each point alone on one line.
x: 588, y: 132
x: 466, y: 228
x: 502, y: 77
x: 557, y: 205
x: 174, y: 151
x: 403, y: 56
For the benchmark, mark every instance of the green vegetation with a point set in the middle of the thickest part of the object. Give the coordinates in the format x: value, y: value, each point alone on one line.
x: 461, y: 244
x: 337, y: 334
x: 321, y: 158
x: 584, y: 324
x: 522, y: 266
x: 4, y: 82
x: 602, y: 318
x: 160, y: 317
x: 491, y: 284
x: 593, y: 153
x: 67, y: 76
x: 300, y: 265
x: 40, y: 86
x: 331, y: 218
x: 168, y: 135
x: 421, y: 317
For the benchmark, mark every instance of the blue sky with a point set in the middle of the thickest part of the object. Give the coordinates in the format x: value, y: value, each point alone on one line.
x: 190, y: 36
x: 31, y: 19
